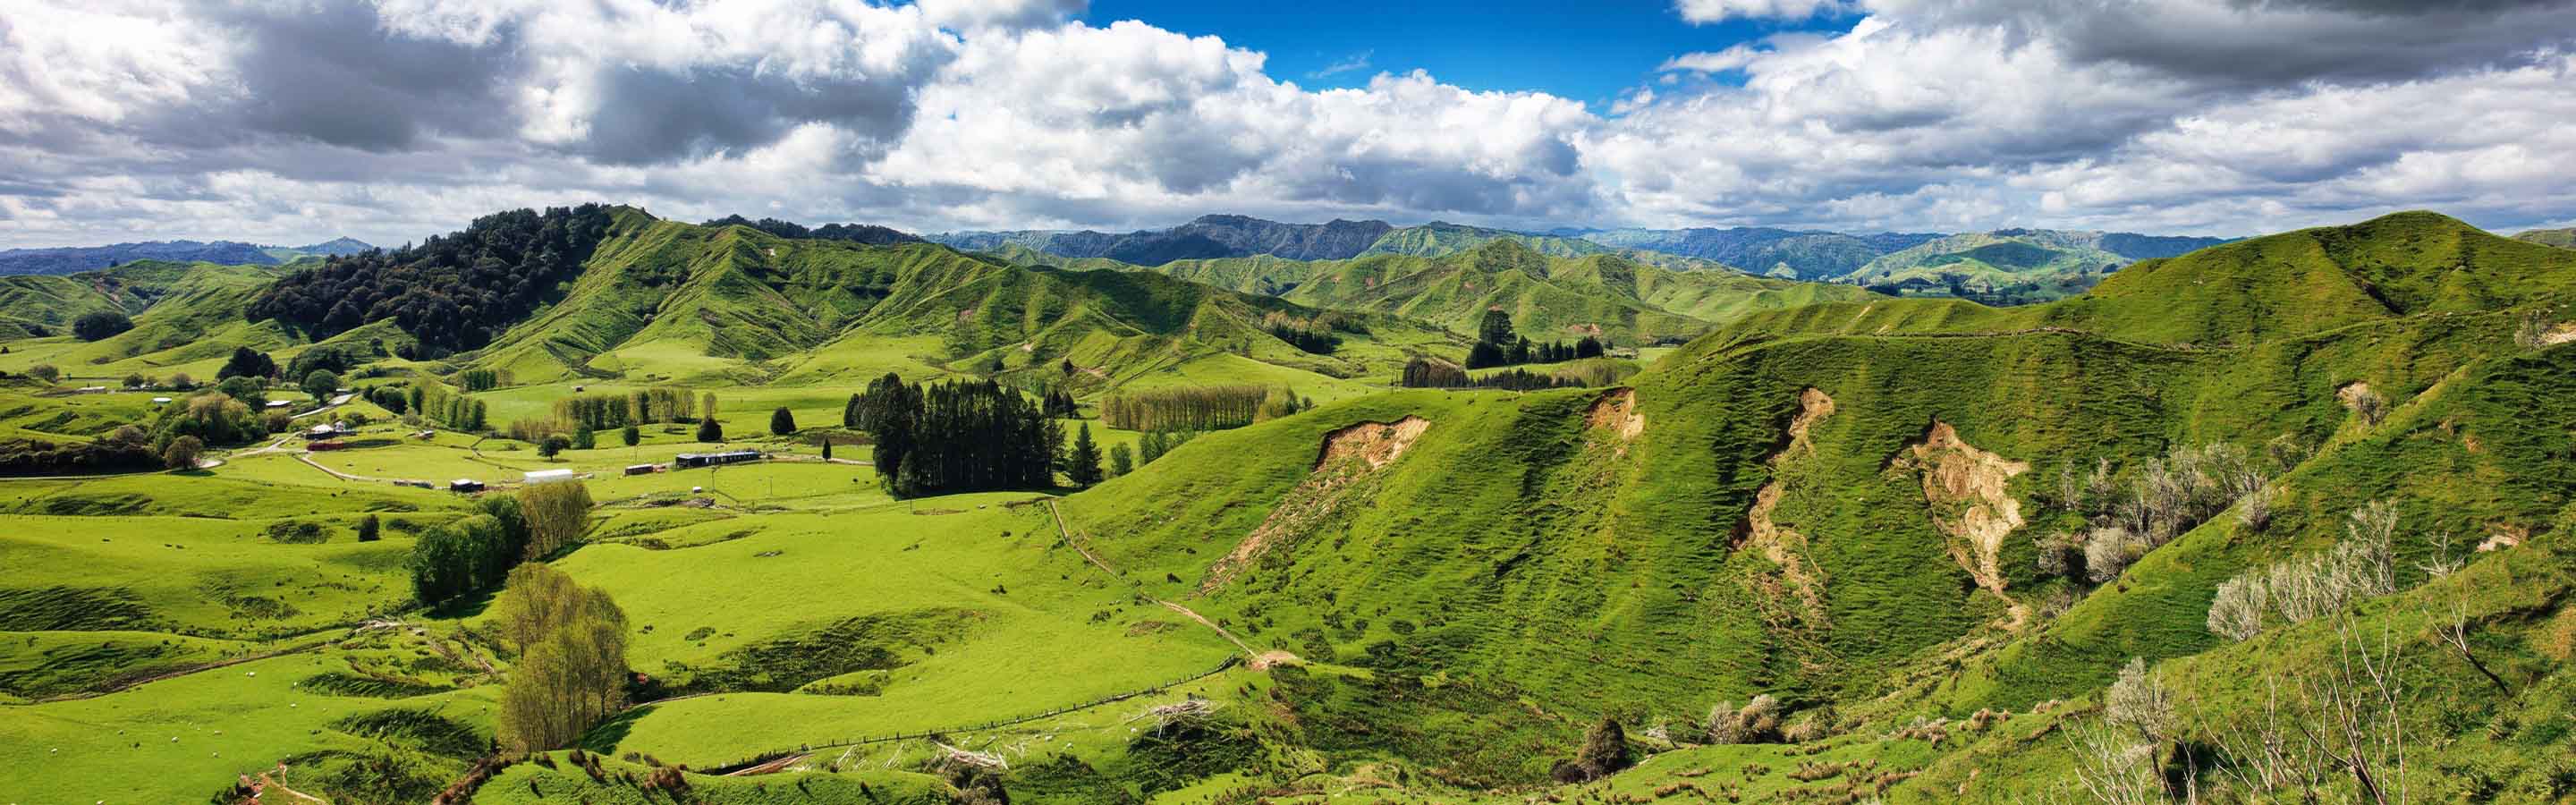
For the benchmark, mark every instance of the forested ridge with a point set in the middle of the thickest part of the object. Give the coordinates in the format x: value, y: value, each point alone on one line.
x: 453, y: 292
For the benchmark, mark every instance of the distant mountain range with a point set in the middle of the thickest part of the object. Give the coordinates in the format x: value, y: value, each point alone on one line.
x: 75, y: 259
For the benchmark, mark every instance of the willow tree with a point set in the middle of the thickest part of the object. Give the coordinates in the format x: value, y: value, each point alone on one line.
x: 571, y: 672
x: 557, y: 515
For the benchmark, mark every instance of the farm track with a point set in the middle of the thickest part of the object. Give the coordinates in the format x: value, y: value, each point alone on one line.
x: 1259, y: 659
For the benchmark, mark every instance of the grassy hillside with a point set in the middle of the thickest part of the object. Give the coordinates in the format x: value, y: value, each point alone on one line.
x: 1770, y: 252
x: 1440, y: 239
x: 187, y: 317
x: 665, y: 300
x: 1848, y: 517
x: 1833, y: 550
x: 1548, y: 297
x: 2561, y: 238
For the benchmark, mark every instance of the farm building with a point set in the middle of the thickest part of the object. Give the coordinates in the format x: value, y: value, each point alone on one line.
x: 548, y: 477
x: 465, y: 485
x: 643, y: 469
x: 687, y: 460
x: 278, y: 403
x: 330, y: 431
x: 160, y: 401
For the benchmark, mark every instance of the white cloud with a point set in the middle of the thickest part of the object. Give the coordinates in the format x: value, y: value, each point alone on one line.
x: 1352, y: 63
x: 299, y: 119
x: 1709, y: 11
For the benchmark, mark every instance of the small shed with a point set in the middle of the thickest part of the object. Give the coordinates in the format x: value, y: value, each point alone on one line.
x: 278, y: 403
x: 160, y: 401
x: 548, y: 477
x: 468, y: 485
x: 642, y: 469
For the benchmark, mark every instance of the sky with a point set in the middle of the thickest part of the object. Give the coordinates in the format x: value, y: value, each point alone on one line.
x: 291, y: 121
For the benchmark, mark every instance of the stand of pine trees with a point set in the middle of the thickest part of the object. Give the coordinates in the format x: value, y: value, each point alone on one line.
x: 1496, y: 345
x: 963, y: 436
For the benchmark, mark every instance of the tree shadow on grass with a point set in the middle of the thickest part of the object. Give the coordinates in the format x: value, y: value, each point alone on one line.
x: 604, y: 738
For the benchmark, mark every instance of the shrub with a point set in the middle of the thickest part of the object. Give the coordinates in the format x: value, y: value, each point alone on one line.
x: 100, y: 324
x: 583, y: 439
x: 2138, y: 701
x: 213, y: 418
x: 1604, y: 752
x: 630, y: 435
x: 45, y: 372
x: 709, y: 431
x: 782, y: 422
x: 320, y: 384
x: 183, y: 452
x: 1758, y: 721
x: 370, y: 529
x: 2361, y: 566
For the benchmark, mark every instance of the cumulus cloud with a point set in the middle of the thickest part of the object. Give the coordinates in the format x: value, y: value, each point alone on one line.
x: 293, y: 119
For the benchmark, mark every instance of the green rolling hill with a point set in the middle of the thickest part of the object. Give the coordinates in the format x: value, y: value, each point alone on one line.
x: 2561, y: 238
x: 663, y: 300
x: 1845, y: 506
x: 1839, y: 547
x: 1550, y: 297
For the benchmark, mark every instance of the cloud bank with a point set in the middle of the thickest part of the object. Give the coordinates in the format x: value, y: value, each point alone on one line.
x: 284, y: 120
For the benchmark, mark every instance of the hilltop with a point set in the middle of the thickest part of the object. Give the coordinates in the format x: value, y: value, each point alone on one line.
x: 1210, y: 236
x: 76, y: 259
x: 2013, y: 266
x: 2561, y: 238
x: 1548, y: 296
x: 648, y: 299
x: 1806, y: 255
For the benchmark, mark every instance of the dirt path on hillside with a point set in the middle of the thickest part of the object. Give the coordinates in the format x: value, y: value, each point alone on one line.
x: 1259, y: 659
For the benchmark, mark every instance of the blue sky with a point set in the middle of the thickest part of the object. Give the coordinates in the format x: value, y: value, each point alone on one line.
x: 1589, y: 52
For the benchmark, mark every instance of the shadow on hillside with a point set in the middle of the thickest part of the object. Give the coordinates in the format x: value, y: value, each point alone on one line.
x: 604, y: 738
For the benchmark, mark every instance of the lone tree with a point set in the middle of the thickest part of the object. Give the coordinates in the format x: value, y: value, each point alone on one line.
x: 827, y: 449
x: 320, y: 384
x: 583, y: 439
x: 370, y: 529
x: 551, y: 445
x: 182, y: 453
x: 1121, y: 460
x: 1083, y: 464
x: 631, y: 435
x: 709, y: 431
x: 101, y: 324
x: 782, y: 423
